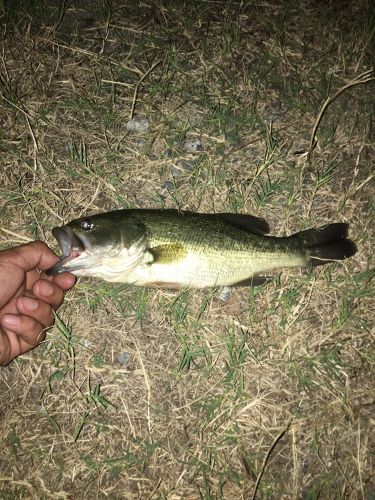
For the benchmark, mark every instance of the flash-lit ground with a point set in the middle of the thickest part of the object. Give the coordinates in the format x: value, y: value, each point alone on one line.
x: 263, y: 392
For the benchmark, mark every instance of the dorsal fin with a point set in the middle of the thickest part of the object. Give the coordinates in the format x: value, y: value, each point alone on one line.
x: 249, y: 223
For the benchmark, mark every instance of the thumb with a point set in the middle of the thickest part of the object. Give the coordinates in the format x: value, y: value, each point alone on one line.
x: 30, y: 256
x: 16, y: 262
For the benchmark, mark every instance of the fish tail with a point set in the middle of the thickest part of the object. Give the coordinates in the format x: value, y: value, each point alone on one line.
x: 326, y: 244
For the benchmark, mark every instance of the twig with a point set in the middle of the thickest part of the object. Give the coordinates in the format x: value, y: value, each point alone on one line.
x: 135, y: 95
x: 154, y: 490
x: 276, y: 440
x: 19, y: 237
x: 80, y: 51
x: 27, y: 115
x: 115, y: 82
x: 362, y: 78
x: 148, y: 387
x: 29, y: 119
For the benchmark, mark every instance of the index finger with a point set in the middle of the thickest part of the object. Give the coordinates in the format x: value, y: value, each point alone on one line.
x: 30, y: 256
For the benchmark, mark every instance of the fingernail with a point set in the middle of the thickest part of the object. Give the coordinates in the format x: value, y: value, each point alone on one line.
x: 46, y: 288
x: 11, y: 320
x: 29, y: 303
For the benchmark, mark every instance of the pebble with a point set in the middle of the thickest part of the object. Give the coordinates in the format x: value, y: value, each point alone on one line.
x: 138, y: 124
x: 184, y: 166
x: 168, y: 185
x: 87, y: 343
x: 123, y: 358
x: 41, y: 409
x: 193, y: 145
x: 224, y: 293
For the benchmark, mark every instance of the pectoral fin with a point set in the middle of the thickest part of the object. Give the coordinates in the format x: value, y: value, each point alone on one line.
x: 168, y: 253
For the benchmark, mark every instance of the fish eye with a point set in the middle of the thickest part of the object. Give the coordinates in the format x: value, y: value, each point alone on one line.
x: 86, y: 225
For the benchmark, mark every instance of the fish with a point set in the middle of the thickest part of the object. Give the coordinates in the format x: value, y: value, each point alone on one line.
x: 166, y: 248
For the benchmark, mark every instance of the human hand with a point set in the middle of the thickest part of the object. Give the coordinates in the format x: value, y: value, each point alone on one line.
x: 27, y: 297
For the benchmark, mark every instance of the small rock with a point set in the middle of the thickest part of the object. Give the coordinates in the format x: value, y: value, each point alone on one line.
x: 41, y: 409
x: 175, y: 170
x: 305, y: 465
x: 168, y: 185
x: 87, y: 343
x: 193, y: 146
x: 188, y: 166
x: 123, y: 358
x: 181, y: 168
x: 138, y: 124
x: 224, y: 293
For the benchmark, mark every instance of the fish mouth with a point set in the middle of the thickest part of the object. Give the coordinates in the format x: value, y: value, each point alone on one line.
x: 72, y: 247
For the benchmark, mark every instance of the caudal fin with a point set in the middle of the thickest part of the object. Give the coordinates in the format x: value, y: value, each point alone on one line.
x: 327, y: 244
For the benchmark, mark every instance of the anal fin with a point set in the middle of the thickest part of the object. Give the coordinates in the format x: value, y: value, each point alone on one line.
x: 255, y: 280
x: 162, y: 285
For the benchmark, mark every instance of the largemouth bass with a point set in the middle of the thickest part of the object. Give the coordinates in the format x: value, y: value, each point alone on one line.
x: 171, y: 249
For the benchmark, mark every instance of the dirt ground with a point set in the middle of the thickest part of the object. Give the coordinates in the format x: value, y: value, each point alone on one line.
x: 255, y: 107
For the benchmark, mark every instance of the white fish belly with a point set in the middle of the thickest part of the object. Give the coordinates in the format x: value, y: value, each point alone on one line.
x: 199, y: 271
x: 191, y: 271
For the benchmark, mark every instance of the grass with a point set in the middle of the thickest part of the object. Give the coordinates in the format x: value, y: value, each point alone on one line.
x: 267, y: 393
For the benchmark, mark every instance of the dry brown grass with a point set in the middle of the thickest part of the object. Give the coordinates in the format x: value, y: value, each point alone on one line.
x: 203, y: 388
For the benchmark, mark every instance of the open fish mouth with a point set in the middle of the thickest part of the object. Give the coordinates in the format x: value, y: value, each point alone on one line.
x: 72, y: 248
